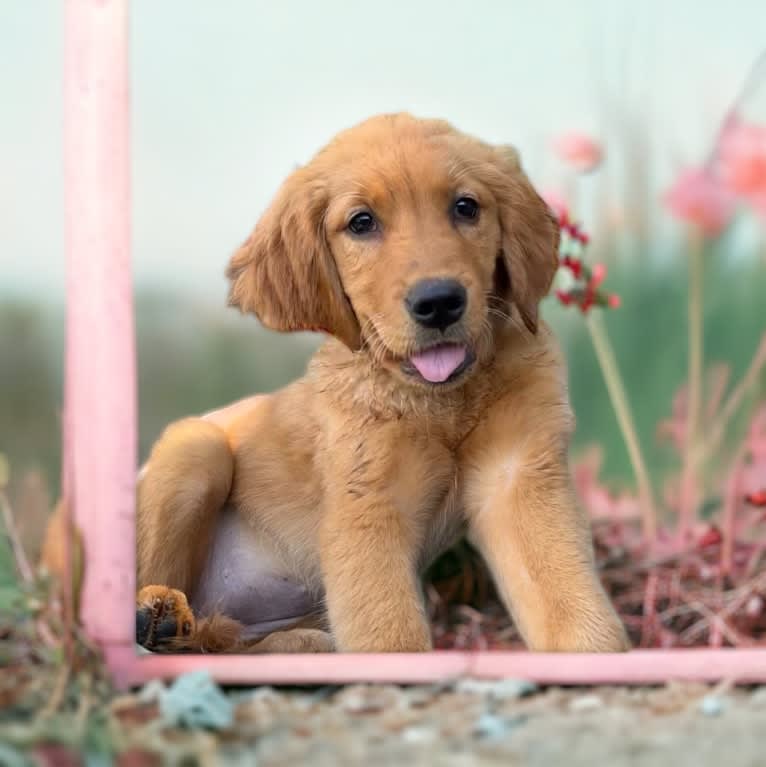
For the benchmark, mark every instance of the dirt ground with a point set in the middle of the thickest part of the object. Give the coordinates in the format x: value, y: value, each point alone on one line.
x: 467, y: 722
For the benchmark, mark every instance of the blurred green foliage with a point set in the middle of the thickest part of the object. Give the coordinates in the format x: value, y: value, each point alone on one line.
x: 193, y: 358
x: 649, y: 335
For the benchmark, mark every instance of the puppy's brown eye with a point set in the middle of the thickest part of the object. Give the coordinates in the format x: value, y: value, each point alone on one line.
x: 466, y: 207
x: 362, y: 223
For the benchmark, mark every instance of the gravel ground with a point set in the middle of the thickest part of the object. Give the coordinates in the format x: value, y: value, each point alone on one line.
x: 464, y: 723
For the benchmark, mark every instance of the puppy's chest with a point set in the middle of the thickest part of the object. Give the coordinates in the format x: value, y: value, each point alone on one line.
x: 444, y: 521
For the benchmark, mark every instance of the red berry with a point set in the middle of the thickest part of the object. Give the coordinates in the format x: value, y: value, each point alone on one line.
x: 574, y: 265
x: 757, y: 498
x: 712, y: 537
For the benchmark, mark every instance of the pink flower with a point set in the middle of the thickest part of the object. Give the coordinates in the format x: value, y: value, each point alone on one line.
x: 582, y: 152
x: 556, y: 202
x: 696, y: 197
x: 598, y: 274
x: 742, y: 155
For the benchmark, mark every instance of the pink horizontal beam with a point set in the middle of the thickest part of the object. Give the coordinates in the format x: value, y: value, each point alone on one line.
x: 637, y: 667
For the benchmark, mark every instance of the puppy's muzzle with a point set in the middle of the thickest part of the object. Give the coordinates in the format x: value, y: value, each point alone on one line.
x: 436, y: 304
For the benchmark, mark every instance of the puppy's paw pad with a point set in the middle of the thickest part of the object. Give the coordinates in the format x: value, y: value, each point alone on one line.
x: 163, y: 617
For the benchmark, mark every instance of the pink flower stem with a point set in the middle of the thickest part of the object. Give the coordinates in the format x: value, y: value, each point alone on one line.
x: 751, y: 377
x: 729, y: 518
x: 618, y: 397
x: 694, y: 396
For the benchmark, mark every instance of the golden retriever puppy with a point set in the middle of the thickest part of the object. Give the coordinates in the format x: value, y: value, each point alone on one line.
x: 302, y: 520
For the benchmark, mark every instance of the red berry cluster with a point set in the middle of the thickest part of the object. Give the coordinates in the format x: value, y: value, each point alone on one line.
x: 585, y: 292
x: 572, y: 229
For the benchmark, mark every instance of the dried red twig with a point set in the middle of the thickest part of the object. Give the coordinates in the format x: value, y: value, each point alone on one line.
x: 681, y: 599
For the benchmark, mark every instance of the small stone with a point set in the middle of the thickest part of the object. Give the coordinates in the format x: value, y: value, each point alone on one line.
x: 195, y: 701
x: 10, y: 757
x: 493, y: 727
x: 151, y: 691
x: 323, y: 693
x: 369, y: 699
x: 420, y: 697
x: 585, y: 703
x: 418, y: 734
x: 266, y: 692
x: 502, y: 689
x: 712, y: 705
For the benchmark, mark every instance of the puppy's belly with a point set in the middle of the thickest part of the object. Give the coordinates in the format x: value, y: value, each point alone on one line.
x: 242, y: 579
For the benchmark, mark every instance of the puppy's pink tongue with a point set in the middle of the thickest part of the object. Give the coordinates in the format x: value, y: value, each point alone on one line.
x: 438, y: 364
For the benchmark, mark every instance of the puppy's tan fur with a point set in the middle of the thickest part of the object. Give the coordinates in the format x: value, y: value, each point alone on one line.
x: 357, y: 475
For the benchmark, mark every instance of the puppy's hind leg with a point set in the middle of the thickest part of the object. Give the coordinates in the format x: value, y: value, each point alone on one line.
x: 180, y: 494
x: 165, y: 623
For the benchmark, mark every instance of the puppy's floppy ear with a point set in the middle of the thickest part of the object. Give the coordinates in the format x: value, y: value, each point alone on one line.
x: 530, y: 237
x: 285, y: 273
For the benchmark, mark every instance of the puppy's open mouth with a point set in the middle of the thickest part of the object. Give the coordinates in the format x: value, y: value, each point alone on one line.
x: 439, y: 364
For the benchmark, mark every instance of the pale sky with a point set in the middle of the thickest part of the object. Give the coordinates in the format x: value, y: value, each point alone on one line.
x: 228, y: 97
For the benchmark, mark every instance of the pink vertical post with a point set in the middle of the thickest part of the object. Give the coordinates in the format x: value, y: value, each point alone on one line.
x: 100, y: 389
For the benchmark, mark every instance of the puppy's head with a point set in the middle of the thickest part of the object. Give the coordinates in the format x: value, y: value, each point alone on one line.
x: 407, y: 239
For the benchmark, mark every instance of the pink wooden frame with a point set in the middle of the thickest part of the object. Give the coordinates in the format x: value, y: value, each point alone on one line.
x: 100, y: 433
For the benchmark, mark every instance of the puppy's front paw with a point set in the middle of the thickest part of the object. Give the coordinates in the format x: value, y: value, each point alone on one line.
x: 163, y: 618
x: 604, y: 635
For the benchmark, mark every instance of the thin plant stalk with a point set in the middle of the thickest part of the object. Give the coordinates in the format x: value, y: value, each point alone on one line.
x: 616, y: 389
x: 731, y: 503
x: 11, y: 530
x: 694, y: 389
x: 708, y: 444
x: 618, y: 397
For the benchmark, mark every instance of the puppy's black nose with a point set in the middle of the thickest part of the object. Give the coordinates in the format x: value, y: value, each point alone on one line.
x: 436, y: 303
